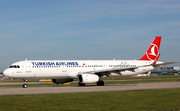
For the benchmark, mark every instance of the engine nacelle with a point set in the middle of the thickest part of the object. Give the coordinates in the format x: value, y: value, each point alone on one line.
x: 88, y: 78
x: 61, y: 80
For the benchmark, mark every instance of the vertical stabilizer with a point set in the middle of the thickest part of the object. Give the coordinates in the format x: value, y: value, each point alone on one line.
x: 152, y: 54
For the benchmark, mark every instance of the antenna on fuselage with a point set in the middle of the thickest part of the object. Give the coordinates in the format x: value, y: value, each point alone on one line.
x: 26, y: 59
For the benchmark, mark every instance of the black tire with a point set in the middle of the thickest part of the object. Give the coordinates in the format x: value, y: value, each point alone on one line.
x: 24, y: 85
x: 81, y: 84
x: 100, y: 83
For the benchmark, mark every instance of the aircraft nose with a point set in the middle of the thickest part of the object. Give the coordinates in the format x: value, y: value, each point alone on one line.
x: 6, y: 72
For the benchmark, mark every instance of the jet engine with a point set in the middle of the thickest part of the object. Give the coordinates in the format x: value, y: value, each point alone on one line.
x: 88, y: 78
x: 57, y: 81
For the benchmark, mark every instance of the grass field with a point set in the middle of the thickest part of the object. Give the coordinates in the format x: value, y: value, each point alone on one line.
x: 135, y: 100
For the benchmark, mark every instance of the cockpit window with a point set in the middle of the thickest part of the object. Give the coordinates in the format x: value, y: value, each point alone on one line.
x: 11, y: 66
x: 14, y: 66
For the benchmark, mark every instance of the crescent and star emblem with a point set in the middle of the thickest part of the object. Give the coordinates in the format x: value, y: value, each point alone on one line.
x: 153, y: 51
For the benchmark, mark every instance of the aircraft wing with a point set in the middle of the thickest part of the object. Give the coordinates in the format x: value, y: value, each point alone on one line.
x: 108, y: 71
x: 114, y: 70
x: 118, y: 70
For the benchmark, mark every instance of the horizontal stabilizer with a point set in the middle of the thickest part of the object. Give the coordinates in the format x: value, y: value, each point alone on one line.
x: 162, y: 64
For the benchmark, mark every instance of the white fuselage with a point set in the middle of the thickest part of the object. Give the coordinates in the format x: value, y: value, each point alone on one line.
x: 64, y: 69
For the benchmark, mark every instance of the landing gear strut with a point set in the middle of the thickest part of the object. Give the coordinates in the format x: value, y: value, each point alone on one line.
x: 100, y: 83
x: 25, y: 85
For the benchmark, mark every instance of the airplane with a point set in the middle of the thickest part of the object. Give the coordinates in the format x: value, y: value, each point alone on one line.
x: 139, y: 75
x: 86, y: 71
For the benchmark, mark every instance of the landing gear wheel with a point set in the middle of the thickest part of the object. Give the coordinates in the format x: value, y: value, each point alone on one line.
x: 24, y: 85
x: 81, y: 84
x: 100, y: 83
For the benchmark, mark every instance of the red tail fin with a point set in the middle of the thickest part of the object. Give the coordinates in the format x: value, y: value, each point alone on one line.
x: 153, y: 52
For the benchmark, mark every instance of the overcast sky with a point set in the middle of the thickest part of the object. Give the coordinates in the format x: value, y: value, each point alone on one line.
x: 87, y: 29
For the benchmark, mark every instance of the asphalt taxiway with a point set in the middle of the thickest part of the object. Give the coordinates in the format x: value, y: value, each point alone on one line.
x: 88, y: 88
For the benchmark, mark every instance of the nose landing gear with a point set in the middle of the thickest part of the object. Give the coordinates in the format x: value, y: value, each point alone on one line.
x: 25, y: 85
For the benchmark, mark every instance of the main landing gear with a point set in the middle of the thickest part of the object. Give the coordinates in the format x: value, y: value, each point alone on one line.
x: 99, y: 83
x: 25, y: 85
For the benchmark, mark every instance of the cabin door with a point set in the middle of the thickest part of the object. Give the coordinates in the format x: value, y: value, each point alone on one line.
x: 64, y: 68
x: 28, y: 67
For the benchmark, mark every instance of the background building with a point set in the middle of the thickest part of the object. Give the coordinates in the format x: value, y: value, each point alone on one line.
x: 166, y: 71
